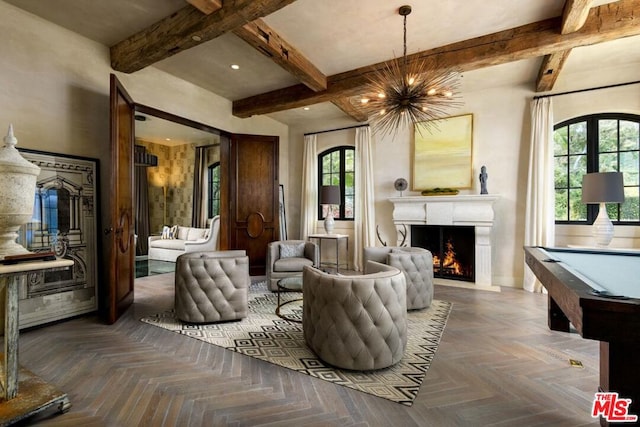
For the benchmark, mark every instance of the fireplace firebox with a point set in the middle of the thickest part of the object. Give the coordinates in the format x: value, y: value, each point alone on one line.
x: 452, y: 247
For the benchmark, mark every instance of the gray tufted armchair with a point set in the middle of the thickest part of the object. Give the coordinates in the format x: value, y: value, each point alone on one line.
x: 356, y: 322
x: 212, y: 286
x: 416, y: 264
x: 286, y: 258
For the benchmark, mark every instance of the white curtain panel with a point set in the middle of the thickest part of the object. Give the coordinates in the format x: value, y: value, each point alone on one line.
x: 540, y: 207
x: 309, y: 198
x: 365, y: 220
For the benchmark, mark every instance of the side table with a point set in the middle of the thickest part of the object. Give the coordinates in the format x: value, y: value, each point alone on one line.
x: 23, y: 393
x: 336, y: 238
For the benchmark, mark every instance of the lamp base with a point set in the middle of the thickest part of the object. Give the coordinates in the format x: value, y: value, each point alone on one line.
x: 602, y: 228
x: 329, y: 222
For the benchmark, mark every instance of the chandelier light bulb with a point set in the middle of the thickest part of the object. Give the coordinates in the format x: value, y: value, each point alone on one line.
x: 364, y: 100
x: 448, y: 93
x: 432, y: 92
x: 381, y: 95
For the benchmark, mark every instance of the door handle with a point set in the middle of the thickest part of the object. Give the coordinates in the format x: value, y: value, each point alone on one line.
x: 108, y: 231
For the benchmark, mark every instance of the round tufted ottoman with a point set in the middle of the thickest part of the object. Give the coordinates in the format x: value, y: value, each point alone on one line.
x: 356, y: 322
x: 212, y: 286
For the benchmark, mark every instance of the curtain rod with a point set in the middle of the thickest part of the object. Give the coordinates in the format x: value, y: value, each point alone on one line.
x: 335, y: 130
x: 586, y: 90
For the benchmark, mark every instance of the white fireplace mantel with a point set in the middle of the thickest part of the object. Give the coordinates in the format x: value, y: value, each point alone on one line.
x: 460, y: 210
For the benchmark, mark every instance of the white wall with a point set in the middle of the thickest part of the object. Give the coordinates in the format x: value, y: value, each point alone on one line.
x: 500, y: 142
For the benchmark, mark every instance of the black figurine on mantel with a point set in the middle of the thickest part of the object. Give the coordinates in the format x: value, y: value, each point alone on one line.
x: 483, y: 180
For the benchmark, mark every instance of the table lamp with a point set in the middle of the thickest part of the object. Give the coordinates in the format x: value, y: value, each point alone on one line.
x: 329, y: 195
x: 601, y: 188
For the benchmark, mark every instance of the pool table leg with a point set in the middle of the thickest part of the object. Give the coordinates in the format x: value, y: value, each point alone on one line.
x: 619, y: 371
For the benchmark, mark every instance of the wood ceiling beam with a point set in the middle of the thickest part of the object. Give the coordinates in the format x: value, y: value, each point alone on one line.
x: 574, y: 15
x: 605, y: 23
x: 185, y: 29
x: 262, y: 37
x: 550, y: 70
x: 206, y: 6
x: 350, y: 110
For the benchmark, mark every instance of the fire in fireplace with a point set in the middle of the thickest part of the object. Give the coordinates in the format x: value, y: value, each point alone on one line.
x: 452, y: 247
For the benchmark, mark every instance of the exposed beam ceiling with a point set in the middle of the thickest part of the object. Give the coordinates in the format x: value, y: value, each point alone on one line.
x: 574, y: 16
x: 262, y: 37
x: 350, y: 110
x: 605, y: 23
x: 184, y: 29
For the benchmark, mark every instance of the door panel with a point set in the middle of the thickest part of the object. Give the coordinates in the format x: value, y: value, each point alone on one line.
x: 120, y: 228
x: 253, y: 196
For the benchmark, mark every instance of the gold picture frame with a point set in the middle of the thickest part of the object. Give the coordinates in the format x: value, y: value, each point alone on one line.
x: 442, y: 153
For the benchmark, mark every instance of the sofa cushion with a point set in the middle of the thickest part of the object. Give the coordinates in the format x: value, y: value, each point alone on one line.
x: 292, y: 250
x: 291, y: 264
x: 166, y: 233
x: 177, y: 244
x: 196, y: 233
x: 183, y: 233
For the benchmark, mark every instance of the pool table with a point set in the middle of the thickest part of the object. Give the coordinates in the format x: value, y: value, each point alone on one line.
x: 598, y: 292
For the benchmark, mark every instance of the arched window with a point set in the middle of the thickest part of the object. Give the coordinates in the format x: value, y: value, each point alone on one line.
x: 336, y: 166
x: 213, y: 206
x: 596, y: 143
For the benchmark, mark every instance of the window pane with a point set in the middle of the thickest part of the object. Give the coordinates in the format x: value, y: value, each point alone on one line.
x: 612, y: 211
x: 629, y: 167
x: 562, y: 207
x: 577, y: 168
x: 326, y: 164
x: 561, y: 141
x: 577, y: 209
x: 630, y: 209
x: 608, y: 162
x: 560, y: 172
x: 629, y: 135
x: 608, y: 135
x: 348, y: 207
x: 335, y: 162
x: 578, y: 138
x: 349, y: 160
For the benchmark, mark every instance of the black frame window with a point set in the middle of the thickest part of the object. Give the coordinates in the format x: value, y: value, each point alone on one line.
x: 596, y: 143
x: 213, y: 188
x: 336, y: 166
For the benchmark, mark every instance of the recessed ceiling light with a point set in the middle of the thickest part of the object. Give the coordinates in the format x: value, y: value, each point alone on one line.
x: 306, y: 108
x: 196, y: 38
x: 235, y: 67
x: 167, y: 139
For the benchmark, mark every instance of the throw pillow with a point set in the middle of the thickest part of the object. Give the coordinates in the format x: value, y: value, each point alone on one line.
x: 166, y: 233
x: 292, y: 250
x: 174, y: 232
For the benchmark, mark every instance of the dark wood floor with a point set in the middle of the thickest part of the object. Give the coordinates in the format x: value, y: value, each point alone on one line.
x: 497, y: 364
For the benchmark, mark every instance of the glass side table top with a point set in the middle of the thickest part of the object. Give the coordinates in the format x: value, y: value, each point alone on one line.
x: 293, y: 283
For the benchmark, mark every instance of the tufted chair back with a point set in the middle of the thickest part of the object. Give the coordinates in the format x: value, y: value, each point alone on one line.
x: 356, y: 322
x: 212, y: 286
x: 416, y: 264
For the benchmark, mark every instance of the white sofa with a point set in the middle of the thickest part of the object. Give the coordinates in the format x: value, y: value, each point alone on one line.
x: 189, y: 239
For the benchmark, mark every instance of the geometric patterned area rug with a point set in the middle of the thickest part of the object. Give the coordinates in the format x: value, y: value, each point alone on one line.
x: 267, y: 337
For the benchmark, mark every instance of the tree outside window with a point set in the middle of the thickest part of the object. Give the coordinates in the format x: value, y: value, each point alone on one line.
x: 596, y: 143
x: 336, y: 166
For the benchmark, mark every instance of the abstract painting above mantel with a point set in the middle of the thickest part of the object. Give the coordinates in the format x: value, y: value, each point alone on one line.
x: 442, y: 154
x: 64, y: 221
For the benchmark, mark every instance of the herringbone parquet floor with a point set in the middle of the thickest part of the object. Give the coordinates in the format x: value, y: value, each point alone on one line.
x: 497, y: 365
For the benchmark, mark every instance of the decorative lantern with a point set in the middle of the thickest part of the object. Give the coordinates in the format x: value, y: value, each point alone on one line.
x: 18, y: 177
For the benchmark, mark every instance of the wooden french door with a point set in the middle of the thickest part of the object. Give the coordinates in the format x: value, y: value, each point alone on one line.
x: 119, y: 231
x: 252, y: 197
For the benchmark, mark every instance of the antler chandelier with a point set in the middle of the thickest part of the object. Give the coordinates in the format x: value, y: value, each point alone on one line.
x: 407, y: 92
